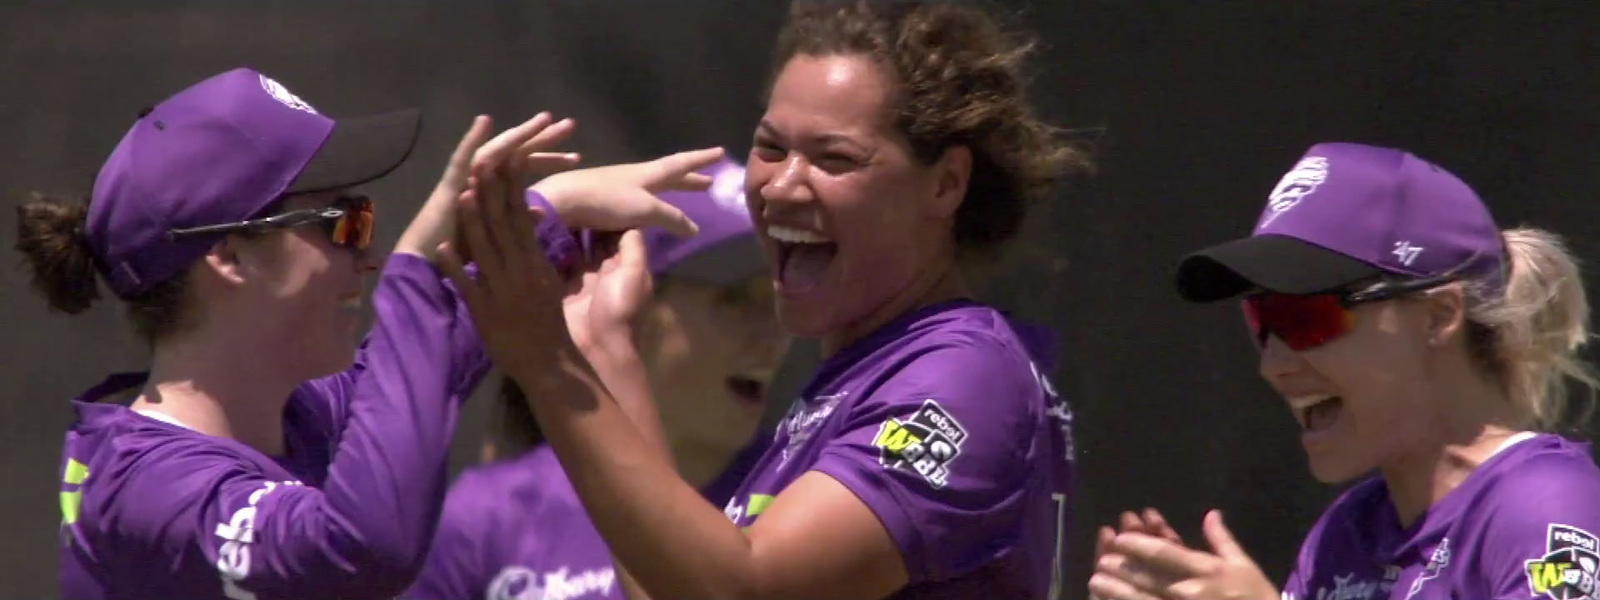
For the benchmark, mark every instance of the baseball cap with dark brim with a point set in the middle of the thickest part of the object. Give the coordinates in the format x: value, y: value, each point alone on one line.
x: 1347, y: 214
x: 1268, y: 262
x: 725, y: 251
x: 222, y: 151
x: 360, y: 150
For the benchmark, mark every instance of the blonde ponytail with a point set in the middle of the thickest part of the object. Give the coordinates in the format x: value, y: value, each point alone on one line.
x: 1529, y: 334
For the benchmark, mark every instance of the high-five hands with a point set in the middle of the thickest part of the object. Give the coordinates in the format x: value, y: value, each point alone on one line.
x: 1144, y: 562
x: 530, y: 145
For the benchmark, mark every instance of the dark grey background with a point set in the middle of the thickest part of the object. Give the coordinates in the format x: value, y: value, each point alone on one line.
x: 1203, y: 106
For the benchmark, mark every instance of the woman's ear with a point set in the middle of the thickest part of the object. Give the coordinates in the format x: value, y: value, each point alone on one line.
x: 954, y: 172
x: 1447, y: 314
x: 226, y: 261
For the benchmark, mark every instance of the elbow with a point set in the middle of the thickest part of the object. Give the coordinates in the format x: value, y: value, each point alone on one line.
x: 385, y: 575
x: 382, y: 568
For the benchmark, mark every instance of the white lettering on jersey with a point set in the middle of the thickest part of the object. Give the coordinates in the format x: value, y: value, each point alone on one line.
x: 521, y: 583
x: 237, y: 533
x: 1345, y: 588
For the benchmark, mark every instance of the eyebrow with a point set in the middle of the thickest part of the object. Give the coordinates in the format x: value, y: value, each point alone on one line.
x: 820, y: 138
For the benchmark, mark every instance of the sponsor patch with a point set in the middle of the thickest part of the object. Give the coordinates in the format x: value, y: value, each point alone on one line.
x: 521, y: 583
x: 924, y: 443
x: 1568, y: 568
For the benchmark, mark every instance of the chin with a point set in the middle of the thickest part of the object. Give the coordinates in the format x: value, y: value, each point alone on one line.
x: 331, y: 362
x: 806, y: 320
x: 1331, y: 471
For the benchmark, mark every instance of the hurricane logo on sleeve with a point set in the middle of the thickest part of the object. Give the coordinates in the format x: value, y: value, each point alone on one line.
x: 1568, y: 568
x: 924, y: 443
x: 1436, y: 563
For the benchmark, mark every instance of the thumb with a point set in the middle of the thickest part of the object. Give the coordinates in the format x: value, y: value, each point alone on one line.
x: 1222, y: 542
x: 631, y: 251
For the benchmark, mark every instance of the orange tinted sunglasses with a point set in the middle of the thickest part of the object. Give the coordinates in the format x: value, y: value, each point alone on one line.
x: 349, y: 222
x: 1306, y: 321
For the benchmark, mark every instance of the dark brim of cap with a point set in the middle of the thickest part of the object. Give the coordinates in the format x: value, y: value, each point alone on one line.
x: 728, y: 262
x: 1273, y: 263
x: 360, y: 150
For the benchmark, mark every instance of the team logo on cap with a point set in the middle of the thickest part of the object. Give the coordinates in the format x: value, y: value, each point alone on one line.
x: 1295, y: 185
x: 727, y: 190
x: 282, y: 94
x: 1568, y: 568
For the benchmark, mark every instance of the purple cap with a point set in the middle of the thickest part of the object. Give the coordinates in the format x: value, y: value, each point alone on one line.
x: 218, y: 152
x: 726, y: 250
x: 1349, y: 213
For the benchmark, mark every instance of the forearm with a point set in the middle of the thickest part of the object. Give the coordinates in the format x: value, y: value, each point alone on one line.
x: 674, y: 543
x: 434, y: 224
x: 622, y: 372
x: 619, y: 367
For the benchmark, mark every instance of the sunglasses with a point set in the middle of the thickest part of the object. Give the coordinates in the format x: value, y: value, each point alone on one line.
x: 349, y: 222
x: 1306, y: 321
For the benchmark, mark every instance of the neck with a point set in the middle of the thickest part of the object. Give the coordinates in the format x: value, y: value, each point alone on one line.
x: 1471, y: 422
x: 218, y: 390
x: 931, y: 286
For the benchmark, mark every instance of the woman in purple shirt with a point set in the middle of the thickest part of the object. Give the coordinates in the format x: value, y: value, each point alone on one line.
x: 514, y: 527
x: 928, y: 456
x: 1422, y: 351
x: 253, y: 460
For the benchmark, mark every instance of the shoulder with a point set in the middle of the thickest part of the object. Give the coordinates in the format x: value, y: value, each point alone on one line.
x: 1347, y: 519
x: 151, y: 479
x: 1536, y: 523
x: 512, y: 488
x: 130, y: 447
x: 1548, y: 463
x: 1549, y: 481
x: 971, y: 349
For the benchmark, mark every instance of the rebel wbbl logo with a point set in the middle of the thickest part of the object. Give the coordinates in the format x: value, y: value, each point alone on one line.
x: 924, y: 443
x: 1567, y: 570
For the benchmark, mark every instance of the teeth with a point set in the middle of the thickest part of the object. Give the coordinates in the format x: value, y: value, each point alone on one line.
x: 1304, y: 402
x: 795, y: 236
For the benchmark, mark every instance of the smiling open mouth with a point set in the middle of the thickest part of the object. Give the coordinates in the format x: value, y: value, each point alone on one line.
x: 747, y: 389
x: 803, y: 257
x: 1319, y: 414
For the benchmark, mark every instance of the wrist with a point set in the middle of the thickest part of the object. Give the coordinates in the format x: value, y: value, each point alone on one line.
x: 549, y: 195
x: 550, y: 374
x: 609, y: 346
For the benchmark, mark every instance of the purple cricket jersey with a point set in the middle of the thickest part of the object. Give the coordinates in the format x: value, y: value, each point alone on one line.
x: 1523, y: 525
x: 155, y: 510
x: 151, y: 509
x: 515, y: 529
x: 944, y: 424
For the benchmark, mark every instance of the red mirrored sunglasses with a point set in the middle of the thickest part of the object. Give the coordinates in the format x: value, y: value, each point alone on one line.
x: 1306, y: 321
x: 349, y: 222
